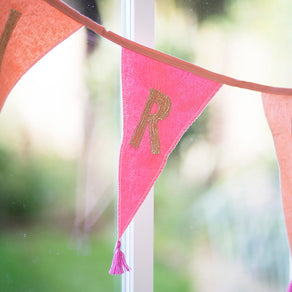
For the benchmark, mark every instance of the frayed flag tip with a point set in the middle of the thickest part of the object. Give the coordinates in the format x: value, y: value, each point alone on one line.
x: 119, y: 264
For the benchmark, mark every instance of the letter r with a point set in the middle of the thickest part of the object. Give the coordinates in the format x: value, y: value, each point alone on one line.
x: 164, y: 106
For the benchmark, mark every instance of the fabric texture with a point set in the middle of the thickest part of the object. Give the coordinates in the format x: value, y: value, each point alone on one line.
x: 144, y: 78
x: 39, y: 28
x: 278, y: 110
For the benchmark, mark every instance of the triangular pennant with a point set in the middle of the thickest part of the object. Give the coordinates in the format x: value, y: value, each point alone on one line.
x: 159, y: 103
x: 28, y: 30
x: 278, y: 110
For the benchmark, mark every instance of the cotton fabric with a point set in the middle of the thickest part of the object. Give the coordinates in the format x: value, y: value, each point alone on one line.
x: 40, y: 28
x: 139, y: 168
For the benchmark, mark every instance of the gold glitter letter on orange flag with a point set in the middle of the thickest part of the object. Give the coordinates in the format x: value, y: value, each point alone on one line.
x: 28, y: 30
x: 13, y: 17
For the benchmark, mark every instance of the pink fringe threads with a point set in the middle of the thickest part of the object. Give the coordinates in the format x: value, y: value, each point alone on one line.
x: 290, y: 287
x: 119, y: 264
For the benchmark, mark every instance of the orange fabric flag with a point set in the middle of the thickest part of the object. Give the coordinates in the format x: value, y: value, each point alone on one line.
x: 28, y: 30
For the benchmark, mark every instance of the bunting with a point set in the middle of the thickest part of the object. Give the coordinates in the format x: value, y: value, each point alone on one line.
x: 278, y: 110
x: 159, y: 102
x: 162, y: 96
x: 28, y: 30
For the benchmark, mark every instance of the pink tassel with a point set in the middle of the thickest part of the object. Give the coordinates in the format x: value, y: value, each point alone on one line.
x: 119, y: 265
x: 290, y: 287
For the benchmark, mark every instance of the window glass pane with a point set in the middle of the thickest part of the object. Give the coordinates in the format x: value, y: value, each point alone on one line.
x: 59, y: 144
x: 218, y: 216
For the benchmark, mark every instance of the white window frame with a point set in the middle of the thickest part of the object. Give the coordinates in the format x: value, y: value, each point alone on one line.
x: 138, y: 18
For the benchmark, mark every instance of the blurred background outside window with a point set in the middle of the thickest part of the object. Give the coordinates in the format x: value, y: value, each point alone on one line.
x: 218, y: 216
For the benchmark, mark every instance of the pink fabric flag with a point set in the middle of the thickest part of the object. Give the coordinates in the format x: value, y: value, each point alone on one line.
x: 159, y: 103
x: 278, y: 110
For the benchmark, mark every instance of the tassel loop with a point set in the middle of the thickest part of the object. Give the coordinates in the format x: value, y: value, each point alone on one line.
x: 119, y: 264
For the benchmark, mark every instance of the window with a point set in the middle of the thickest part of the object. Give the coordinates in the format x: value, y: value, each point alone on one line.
x: 218, y: 214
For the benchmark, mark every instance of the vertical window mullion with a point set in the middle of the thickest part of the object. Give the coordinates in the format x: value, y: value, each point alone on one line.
x: 138, y: 24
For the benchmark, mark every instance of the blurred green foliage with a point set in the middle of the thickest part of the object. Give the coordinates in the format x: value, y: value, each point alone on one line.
x: 31, y: 184
x: 205, y: 9
x: 168, y: 278
x: 42, y: 260
x: 21, y: 186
